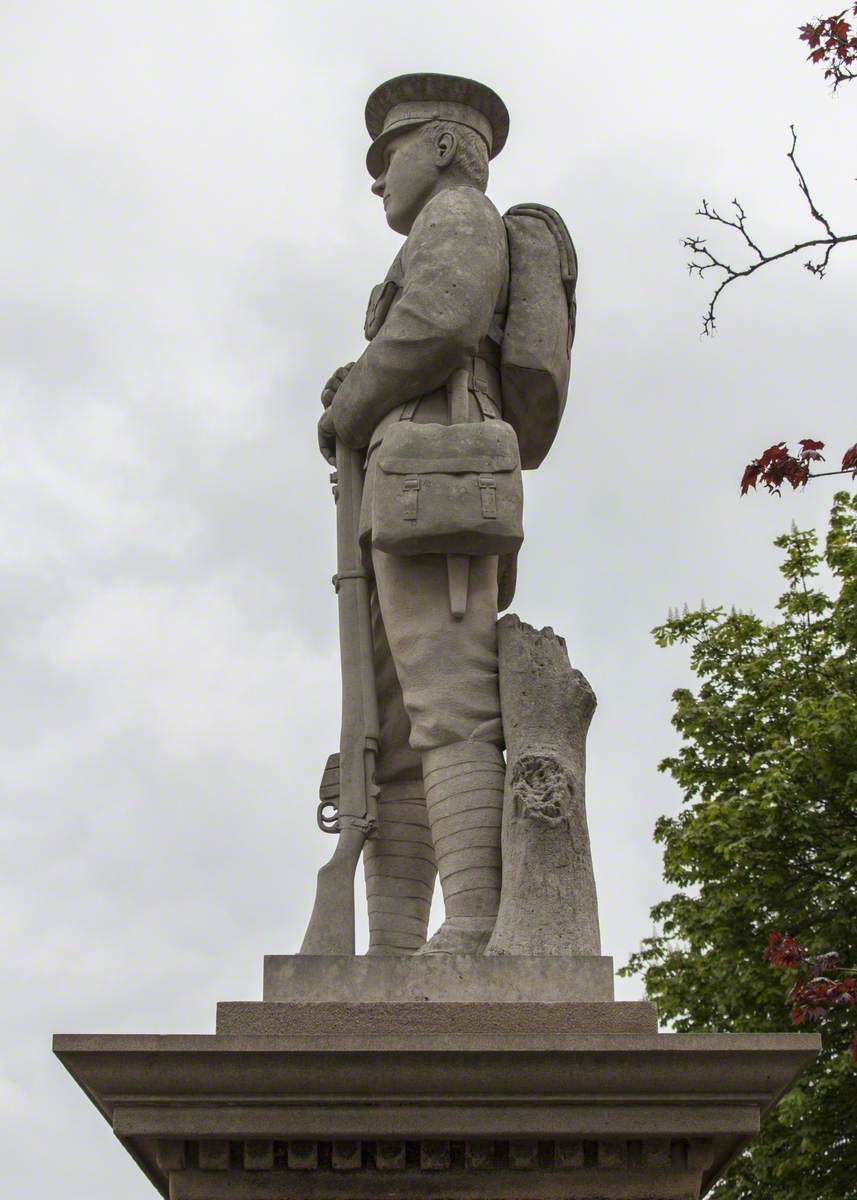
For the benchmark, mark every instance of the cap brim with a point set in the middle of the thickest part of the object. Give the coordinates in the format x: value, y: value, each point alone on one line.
x: 375, y: 153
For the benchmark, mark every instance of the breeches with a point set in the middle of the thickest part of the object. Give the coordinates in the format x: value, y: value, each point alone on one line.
x: 436, y: 676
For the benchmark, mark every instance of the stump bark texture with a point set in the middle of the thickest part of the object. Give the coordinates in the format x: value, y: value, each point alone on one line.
x: 548, y: 903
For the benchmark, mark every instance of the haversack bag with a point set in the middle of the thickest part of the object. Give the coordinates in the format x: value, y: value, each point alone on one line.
x: 448, y: 489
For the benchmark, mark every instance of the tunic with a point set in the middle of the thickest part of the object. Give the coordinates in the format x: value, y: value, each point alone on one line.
x: 440, y: 307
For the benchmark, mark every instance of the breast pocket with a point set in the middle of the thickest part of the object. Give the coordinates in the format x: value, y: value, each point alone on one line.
x: 380, y: 302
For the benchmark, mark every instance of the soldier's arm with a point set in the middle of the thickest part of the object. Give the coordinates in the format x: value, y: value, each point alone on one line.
x: 454, y: 269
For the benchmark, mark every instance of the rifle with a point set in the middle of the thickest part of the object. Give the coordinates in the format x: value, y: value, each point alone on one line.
x: 348, y: 797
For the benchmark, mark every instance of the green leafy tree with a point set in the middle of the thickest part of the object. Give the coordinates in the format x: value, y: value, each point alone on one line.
x: 767, y: 840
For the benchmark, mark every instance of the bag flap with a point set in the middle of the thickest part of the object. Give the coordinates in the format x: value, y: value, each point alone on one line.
x: 565, y: 246
x: 394, y: 464
x: 429, y: 449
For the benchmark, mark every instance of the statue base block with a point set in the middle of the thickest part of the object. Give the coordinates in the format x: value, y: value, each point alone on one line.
x: 353, y: 1099
x: 457, y: 978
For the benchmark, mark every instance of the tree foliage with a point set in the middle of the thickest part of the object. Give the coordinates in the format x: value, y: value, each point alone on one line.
x: 832, y: 41
x: 822, y: 984
x: 776, y: 466
x: 767, y: 839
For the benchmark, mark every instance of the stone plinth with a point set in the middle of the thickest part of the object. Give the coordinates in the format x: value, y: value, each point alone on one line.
x: 452, y: 978
x: 529, y: 1099
x: 445, y: 1023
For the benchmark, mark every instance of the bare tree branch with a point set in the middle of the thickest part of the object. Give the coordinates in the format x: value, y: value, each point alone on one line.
x: 802, y: 184
x: 704, y: 260
x: 842, y: 75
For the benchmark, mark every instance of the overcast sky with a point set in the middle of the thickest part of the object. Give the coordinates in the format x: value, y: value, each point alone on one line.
x: 188, y: 244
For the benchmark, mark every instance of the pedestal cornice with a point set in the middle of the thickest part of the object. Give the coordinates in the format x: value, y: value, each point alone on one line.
x: 501, y: 1115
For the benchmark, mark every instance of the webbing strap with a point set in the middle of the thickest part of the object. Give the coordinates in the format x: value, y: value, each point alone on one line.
x: 486, y: 403
x: 411, y: 488
x: 408, y: 409
x: 488, y: 493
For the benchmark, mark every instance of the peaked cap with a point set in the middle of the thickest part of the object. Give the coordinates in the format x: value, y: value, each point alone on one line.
x: 411, y: 100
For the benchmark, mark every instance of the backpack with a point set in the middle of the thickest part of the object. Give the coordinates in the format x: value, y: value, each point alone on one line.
x: 539, y: 328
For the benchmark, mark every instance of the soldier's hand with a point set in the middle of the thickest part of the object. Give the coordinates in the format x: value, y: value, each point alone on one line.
x: 332, y: 386
x: 327, y: 437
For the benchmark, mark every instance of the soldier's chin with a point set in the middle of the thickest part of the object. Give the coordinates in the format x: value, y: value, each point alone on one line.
x: 398, y: 221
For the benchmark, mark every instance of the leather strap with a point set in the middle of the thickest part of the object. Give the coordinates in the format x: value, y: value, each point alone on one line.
x: 408, y: 409
x: 488, y: 407
x: 458, y: 391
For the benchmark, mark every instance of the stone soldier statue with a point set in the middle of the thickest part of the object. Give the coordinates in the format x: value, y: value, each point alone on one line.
x: 439, y: 314
x: 462, y: 385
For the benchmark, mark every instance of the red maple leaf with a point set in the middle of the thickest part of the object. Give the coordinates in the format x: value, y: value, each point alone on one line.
x: 776, y: 466
x: 813, y: 999
x: 830, y: 40
x: 750, y: 477
x: 810, y: 34
x: 784, y: 951
x: 849, y: 460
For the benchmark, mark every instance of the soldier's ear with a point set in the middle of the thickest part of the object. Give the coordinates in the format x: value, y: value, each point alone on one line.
x: 445, y: 148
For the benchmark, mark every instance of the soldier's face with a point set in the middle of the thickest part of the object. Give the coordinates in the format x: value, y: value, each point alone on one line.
x: 410, y: 178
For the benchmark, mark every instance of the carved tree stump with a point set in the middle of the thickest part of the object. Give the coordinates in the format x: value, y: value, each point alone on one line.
x: 548, y: 904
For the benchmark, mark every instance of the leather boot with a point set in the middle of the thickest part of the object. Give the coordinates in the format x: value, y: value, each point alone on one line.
x: 400, y: 870
x: 464, y: 799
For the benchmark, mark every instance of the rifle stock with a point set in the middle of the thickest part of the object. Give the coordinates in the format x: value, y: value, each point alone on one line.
x: 331, y: 925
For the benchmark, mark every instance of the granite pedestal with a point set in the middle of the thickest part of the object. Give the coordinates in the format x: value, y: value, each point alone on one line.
x: 331, y: 1089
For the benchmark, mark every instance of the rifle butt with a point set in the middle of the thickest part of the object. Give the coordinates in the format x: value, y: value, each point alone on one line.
x: 331, y: 926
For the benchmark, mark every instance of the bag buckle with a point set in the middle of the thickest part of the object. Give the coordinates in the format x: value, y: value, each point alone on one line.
x: 488, y: 492
x: 411, y: 488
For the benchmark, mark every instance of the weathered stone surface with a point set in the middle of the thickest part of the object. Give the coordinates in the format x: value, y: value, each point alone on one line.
x: 502, y: 1117
x: 460, y: 386
x: 346, y: 1156
x: 437, y: 1020
x: 464, y: 801
x: 548, y: 903
x: 259, y: 1155
x: 213, y: 1155
x: 452, y: 978
x: 491, y: 1182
